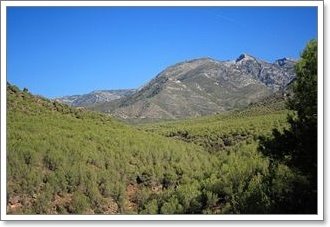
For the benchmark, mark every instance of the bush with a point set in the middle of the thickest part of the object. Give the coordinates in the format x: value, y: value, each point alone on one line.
x: 172, y: 206
x: 151, y: 207
x: 80, y: 203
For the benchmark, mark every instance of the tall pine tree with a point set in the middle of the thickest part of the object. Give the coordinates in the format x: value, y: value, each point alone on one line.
x: 297, y: 146
x: 304, y: 102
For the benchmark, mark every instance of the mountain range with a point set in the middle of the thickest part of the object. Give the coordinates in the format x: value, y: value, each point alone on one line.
x: 194, y: 88
x: 94, y: 97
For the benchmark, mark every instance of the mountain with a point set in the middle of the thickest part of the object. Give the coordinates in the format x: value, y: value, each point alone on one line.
x: 203, y: 86
x: 94, y: 97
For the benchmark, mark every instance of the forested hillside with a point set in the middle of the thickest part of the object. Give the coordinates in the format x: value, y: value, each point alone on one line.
x: 63, y: 160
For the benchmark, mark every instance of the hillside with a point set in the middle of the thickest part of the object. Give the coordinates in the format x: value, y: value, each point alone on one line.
x: 202, y: 87
x: 94, y: 97
x: 62, y: 160
x: 222, y: 131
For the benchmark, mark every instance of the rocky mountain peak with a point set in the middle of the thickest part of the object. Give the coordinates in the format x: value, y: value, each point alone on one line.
x: 245, y: 57
x: 284, y: 61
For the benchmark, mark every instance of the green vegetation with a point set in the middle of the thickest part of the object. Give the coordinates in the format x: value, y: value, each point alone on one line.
x: 297, y: 145
x: 221, y: 132
x: 62, y: 160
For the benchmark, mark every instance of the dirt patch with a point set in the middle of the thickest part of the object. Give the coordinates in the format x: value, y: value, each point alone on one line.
x: 131, y: 198
x: 110, y: 207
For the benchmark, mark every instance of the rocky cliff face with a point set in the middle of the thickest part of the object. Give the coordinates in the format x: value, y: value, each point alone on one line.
x: 204, y: 86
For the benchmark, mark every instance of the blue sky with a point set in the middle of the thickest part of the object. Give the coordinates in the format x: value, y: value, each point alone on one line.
x: 56, y: 51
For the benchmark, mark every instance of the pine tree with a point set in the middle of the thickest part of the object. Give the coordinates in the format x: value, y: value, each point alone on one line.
x: 304, y: 102
x: 297, y: 146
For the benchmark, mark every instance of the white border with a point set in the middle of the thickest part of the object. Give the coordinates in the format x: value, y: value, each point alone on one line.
x: 195, y: 217
x: 3, y: 112
x: 163, y: 3
x: 318, y: 4
x: 320, y: 109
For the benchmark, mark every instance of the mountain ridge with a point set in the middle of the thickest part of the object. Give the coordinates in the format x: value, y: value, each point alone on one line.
x: 202, y: 86
x: 94, y: 97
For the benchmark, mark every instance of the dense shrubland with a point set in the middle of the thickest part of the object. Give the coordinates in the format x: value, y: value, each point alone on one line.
x: 221, y: 132
x: 63, y: 160
x: 69, y: 160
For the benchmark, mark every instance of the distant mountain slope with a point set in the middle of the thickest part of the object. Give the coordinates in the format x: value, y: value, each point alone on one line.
x: 94, y: 97
x: 204, y: 86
